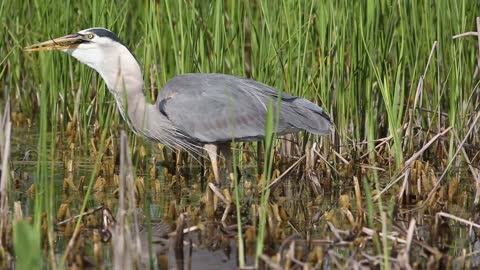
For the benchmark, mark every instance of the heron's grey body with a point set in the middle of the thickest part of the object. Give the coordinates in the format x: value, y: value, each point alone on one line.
x: 213, y: 108
x: 192, y: 110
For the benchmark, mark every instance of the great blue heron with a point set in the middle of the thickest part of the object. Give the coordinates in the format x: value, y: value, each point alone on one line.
x: 192, y: 110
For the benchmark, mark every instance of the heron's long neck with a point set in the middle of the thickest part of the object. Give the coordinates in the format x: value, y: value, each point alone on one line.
x: 125, y: 80
x: 121, y: 72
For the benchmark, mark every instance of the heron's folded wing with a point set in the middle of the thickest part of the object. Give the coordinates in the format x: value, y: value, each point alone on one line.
x: 218, y: 107
x: 215, y: 111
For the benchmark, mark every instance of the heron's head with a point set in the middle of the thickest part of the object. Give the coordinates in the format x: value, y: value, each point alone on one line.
x: 99, y: 48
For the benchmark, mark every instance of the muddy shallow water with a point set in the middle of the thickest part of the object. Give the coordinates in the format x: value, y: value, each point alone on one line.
x: 325, y: 223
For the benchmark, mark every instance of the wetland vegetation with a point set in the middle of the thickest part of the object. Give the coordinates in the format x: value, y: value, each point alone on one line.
x: 397, y: 186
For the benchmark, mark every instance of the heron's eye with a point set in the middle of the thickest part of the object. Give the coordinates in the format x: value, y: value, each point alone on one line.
x: 90, y: 36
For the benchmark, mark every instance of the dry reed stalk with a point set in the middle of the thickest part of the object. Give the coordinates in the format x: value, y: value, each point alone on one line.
x: 460, y: 147
x: 461, y: 220
x: 5, y: 134
x: 475, y: 173
x: 358, y: 198
x: 274, y: 182
x: 419, y: 91
x: 407, y: 165
x: 126, y: 242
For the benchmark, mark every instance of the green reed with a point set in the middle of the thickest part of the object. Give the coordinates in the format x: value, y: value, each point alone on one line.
x: 271, y: 122
x: 314, y: 50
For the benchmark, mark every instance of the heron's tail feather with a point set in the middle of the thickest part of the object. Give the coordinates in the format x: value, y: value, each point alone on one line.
x: 311, y: 117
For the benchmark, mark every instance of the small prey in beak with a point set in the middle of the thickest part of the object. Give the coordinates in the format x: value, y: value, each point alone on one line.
x: 62, y: 43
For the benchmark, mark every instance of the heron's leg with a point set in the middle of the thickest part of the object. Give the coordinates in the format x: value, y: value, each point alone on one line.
x: 211, y: 204
x: 178, y: 162
x: 212, y: 151
x: 226, y: 151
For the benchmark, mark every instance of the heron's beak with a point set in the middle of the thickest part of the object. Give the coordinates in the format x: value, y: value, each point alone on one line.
x: 67, y: 42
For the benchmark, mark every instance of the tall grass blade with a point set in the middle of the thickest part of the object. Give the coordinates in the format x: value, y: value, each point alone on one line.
x: 26, y: 242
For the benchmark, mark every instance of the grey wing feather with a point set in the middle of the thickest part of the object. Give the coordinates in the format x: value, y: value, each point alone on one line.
x: 217, y: 107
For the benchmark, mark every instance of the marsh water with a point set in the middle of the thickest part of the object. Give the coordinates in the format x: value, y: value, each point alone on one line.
x: 300, y: 214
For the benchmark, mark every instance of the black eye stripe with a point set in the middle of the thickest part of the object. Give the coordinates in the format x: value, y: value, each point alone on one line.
x: 100, y: 32
x: 105, y: 33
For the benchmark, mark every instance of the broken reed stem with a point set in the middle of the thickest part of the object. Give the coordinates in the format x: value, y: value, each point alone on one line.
x: 358, y: 197
x: 406, y: 176
x: 186, y: 230
x: 18, y: 212
x: 471, y: 33
x: 409, y: 162
x: 420, y: 243
x: 371, y: 232
x: 274, y: 182
x: 377, y: 146
x: 89, y: 212
x: 461, y: 220
x: 477, y: 34
x: 270, y: 263
x: 132, y: 200
x: 437, y: 185
x: 465, y: 35
x: 392, y: 183
x: 419, y: 91
x: 179, y: 234
x: 410, y: 232
x: 120, y: 256
x: 326, y: 161
x: 126, y: 255
x: 386, y: 250
x: 464, y: 256
x: 218, y: 192
x: 416, y: 155
x: 477, y: 68
x: 478, y: 41
x: 334, y: 231
x: 473, y: 170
